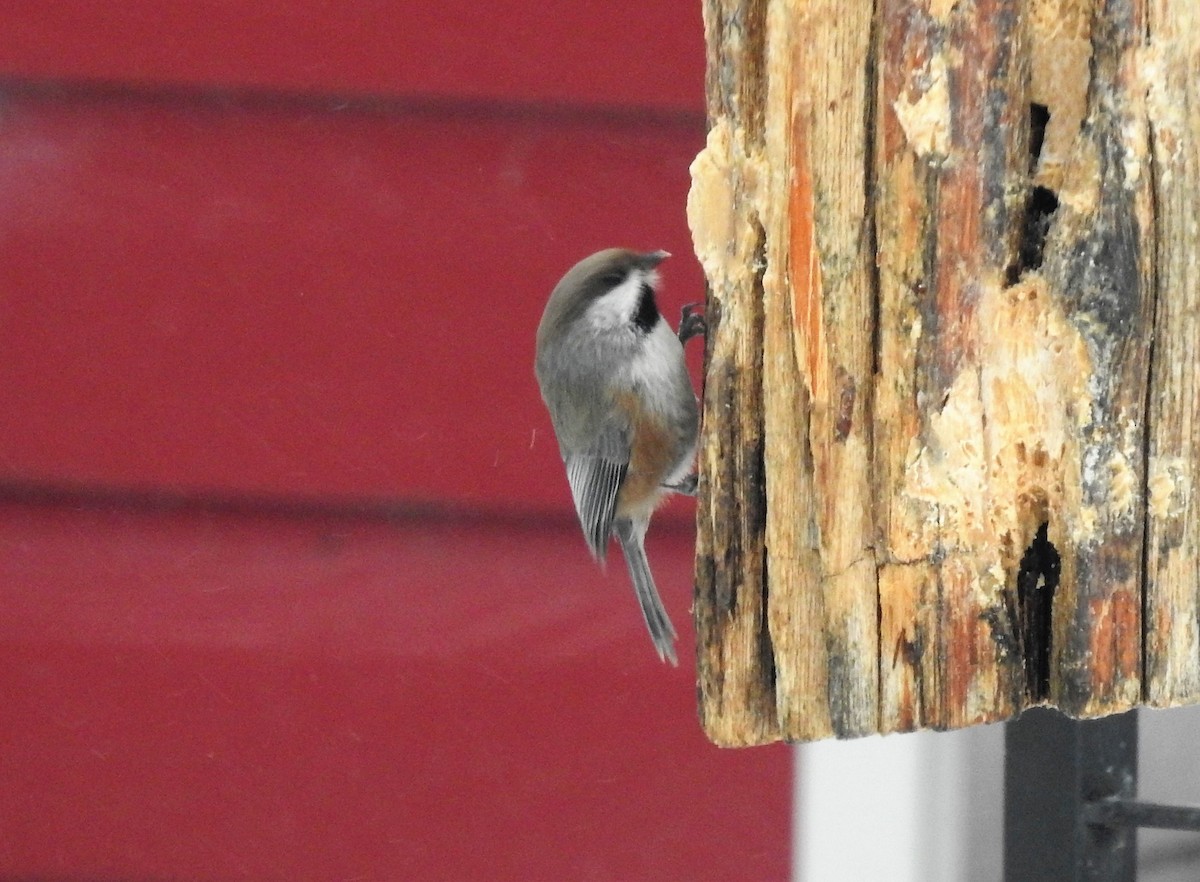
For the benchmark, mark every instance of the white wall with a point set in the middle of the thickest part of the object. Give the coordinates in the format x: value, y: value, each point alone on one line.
x: 922, y: 807
x: 928, y: 807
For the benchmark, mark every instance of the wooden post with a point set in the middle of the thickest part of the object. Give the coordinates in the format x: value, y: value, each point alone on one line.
x: 951, y: 384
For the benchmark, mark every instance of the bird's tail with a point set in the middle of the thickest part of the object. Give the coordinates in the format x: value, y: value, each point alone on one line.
x: 657, y: 620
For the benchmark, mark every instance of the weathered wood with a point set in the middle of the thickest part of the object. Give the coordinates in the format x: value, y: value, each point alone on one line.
x: 952, y: 161
x: 734, y: 660
x: 1171, y: 71
x: 939, y: 237
x: 1099, y: 270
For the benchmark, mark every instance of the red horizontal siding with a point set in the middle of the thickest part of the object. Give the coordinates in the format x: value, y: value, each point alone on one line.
x: 206, y: 695
x: 259, y: 299
x: 580, y: 52
x: 285, y: 257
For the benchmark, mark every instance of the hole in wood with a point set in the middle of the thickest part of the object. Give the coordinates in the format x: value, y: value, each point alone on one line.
x: 1039, y: 207
x: 1037, y: 580
x: 1039, y: 211
x: 1039, y: 117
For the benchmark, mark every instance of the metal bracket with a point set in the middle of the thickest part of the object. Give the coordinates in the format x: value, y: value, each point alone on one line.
x: 1069, y: 809
x: 1056, y: 772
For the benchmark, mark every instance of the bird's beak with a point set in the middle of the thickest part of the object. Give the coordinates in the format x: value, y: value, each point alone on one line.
x: 654, y: 258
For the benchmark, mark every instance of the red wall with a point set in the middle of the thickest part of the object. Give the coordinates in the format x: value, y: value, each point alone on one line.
x: 289, y: 583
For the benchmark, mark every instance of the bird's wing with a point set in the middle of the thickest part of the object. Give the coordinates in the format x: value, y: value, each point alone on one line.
x: 595, y: 476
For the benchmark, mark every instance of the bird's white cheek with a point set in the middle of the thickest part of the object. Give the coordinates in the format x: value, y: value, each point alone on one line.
x: 618, y: 305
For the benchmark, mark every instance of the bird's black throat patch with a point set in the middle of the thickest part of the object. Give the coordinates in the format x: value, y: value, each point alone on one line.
x: 646, y: 316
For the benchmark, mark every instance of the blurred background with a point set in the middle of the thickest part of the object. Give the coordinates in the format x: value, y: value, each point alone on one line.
x: 290, y: 585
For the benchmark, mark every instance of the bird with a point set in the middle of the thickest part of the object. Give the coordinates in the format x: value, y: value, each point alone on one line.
x: 614, y: 380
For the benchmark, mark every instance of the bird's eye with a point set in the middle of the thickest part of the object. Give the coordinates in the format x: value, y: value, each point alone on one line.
x: 612, y: 279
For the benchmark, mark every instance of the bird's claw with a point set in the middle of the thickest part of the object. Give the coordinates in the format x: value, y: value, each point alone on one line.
x: 692, y: 323
x: 687, y: 486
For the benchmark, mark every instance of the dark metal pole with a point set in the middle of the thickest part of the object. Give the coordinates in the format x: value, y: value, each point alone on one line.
x: 1054, y: 769
x: 1135, y: 813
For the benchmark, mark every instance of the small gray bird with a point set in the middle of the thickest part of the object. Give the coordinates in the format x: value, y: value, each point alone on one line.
x: 613, y: 377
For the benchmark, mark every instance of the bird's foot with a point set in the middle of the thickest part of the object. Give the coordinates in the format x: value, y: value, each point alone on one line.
x: 692, y: 323
x: 687, y: 486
